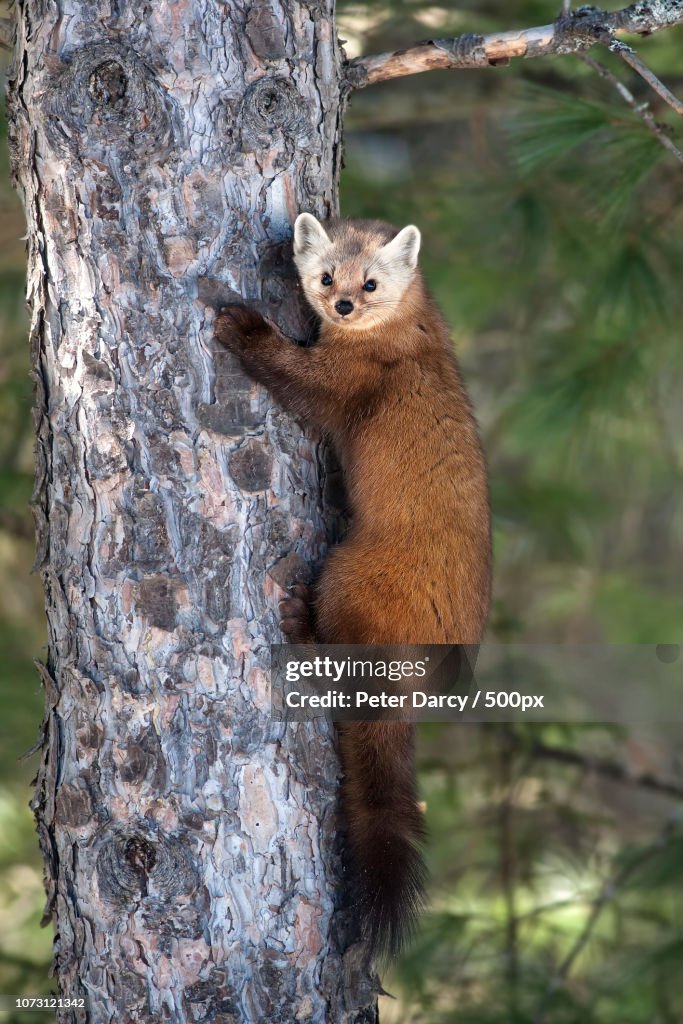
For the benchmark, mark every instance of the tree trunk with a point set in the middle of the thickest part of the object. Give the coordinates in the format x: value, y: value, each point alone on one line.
x: 190, y: 843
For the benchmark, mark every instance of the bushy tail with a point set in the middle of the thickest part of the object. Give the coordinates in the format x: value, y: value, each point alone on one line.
x: 385, y: 829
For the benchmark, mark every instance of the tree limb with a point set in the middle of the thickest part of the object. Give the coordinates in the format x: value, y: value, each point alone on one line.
x: 631, y: 58
x: 570, y: 33
x: 642, y: 110
x: 608, y: 769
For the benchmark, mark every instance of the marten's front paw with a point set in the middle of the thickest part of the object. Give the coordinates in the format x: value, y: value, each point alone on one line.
x: 240, y: 327
x: 296, y: 619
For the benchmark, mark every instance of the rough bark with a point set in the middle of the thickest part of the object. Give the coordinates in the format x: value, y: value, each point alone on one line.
x: 190, y: 843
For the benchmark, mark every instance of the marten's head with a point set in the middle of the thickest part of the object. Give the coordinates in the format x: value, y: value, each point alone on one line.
x: 355, y: 273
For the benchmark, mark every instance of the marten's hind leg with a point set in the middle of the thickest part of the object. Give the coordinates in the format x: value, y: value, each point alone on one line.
x: 296, y: 615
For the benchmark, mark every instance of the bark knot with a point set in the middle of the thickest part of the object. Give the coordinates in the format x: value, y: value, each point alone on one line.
x: 139, y: 861
x: 273, y: 114
x: 107, y: 101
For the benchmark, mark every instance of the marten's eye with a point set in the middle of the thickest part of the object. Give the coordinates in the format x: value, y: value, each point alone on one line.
x: 369, y: 286
x: 326, y: 279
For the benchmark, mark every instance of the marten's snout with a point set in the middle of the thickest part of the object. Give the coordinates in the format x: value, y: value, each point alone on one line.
x: 343, y: 307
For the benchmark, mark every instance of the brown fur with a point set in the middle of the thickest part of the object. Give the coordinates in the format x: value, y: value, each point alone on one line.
x: 415, y: 564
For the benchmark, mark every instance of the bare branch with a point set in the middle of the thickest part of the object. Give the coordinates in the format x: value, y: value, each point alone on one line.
x: 633, y: 60
x: 612, y: 770
x: 642, y: 110
x: 570, y: 33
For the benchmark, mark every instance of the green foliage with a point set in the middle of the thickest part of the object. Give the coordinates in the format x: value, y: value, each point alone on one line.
x: 552, y: 240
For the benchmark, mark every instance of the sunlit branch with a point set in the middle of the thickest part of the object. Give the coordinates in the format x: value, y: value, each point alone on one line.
x: 570, y: 33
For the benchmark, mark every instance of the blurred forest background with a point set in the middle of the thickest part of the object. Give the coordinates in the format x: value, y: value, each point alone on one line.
x: 553, y: 239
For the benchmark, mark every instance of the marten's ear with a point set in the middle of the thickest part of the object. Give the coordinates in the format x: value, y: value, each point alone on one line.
x: 404, y: 248
x: 309, y: 235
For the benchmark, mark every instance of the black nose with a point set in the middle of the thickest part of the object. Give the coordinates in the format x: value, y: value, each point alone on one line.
x: 343, y: 306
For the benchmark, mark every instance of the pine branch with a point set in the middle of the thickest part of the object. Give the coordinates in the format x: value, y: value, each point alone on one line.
x: 570, y: 33
x: 641, y: 109
x: 631, y: 58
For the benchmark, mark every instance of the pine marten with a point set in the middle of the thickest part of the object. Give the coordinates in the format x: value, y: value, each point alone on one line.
x: 414, y: 567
